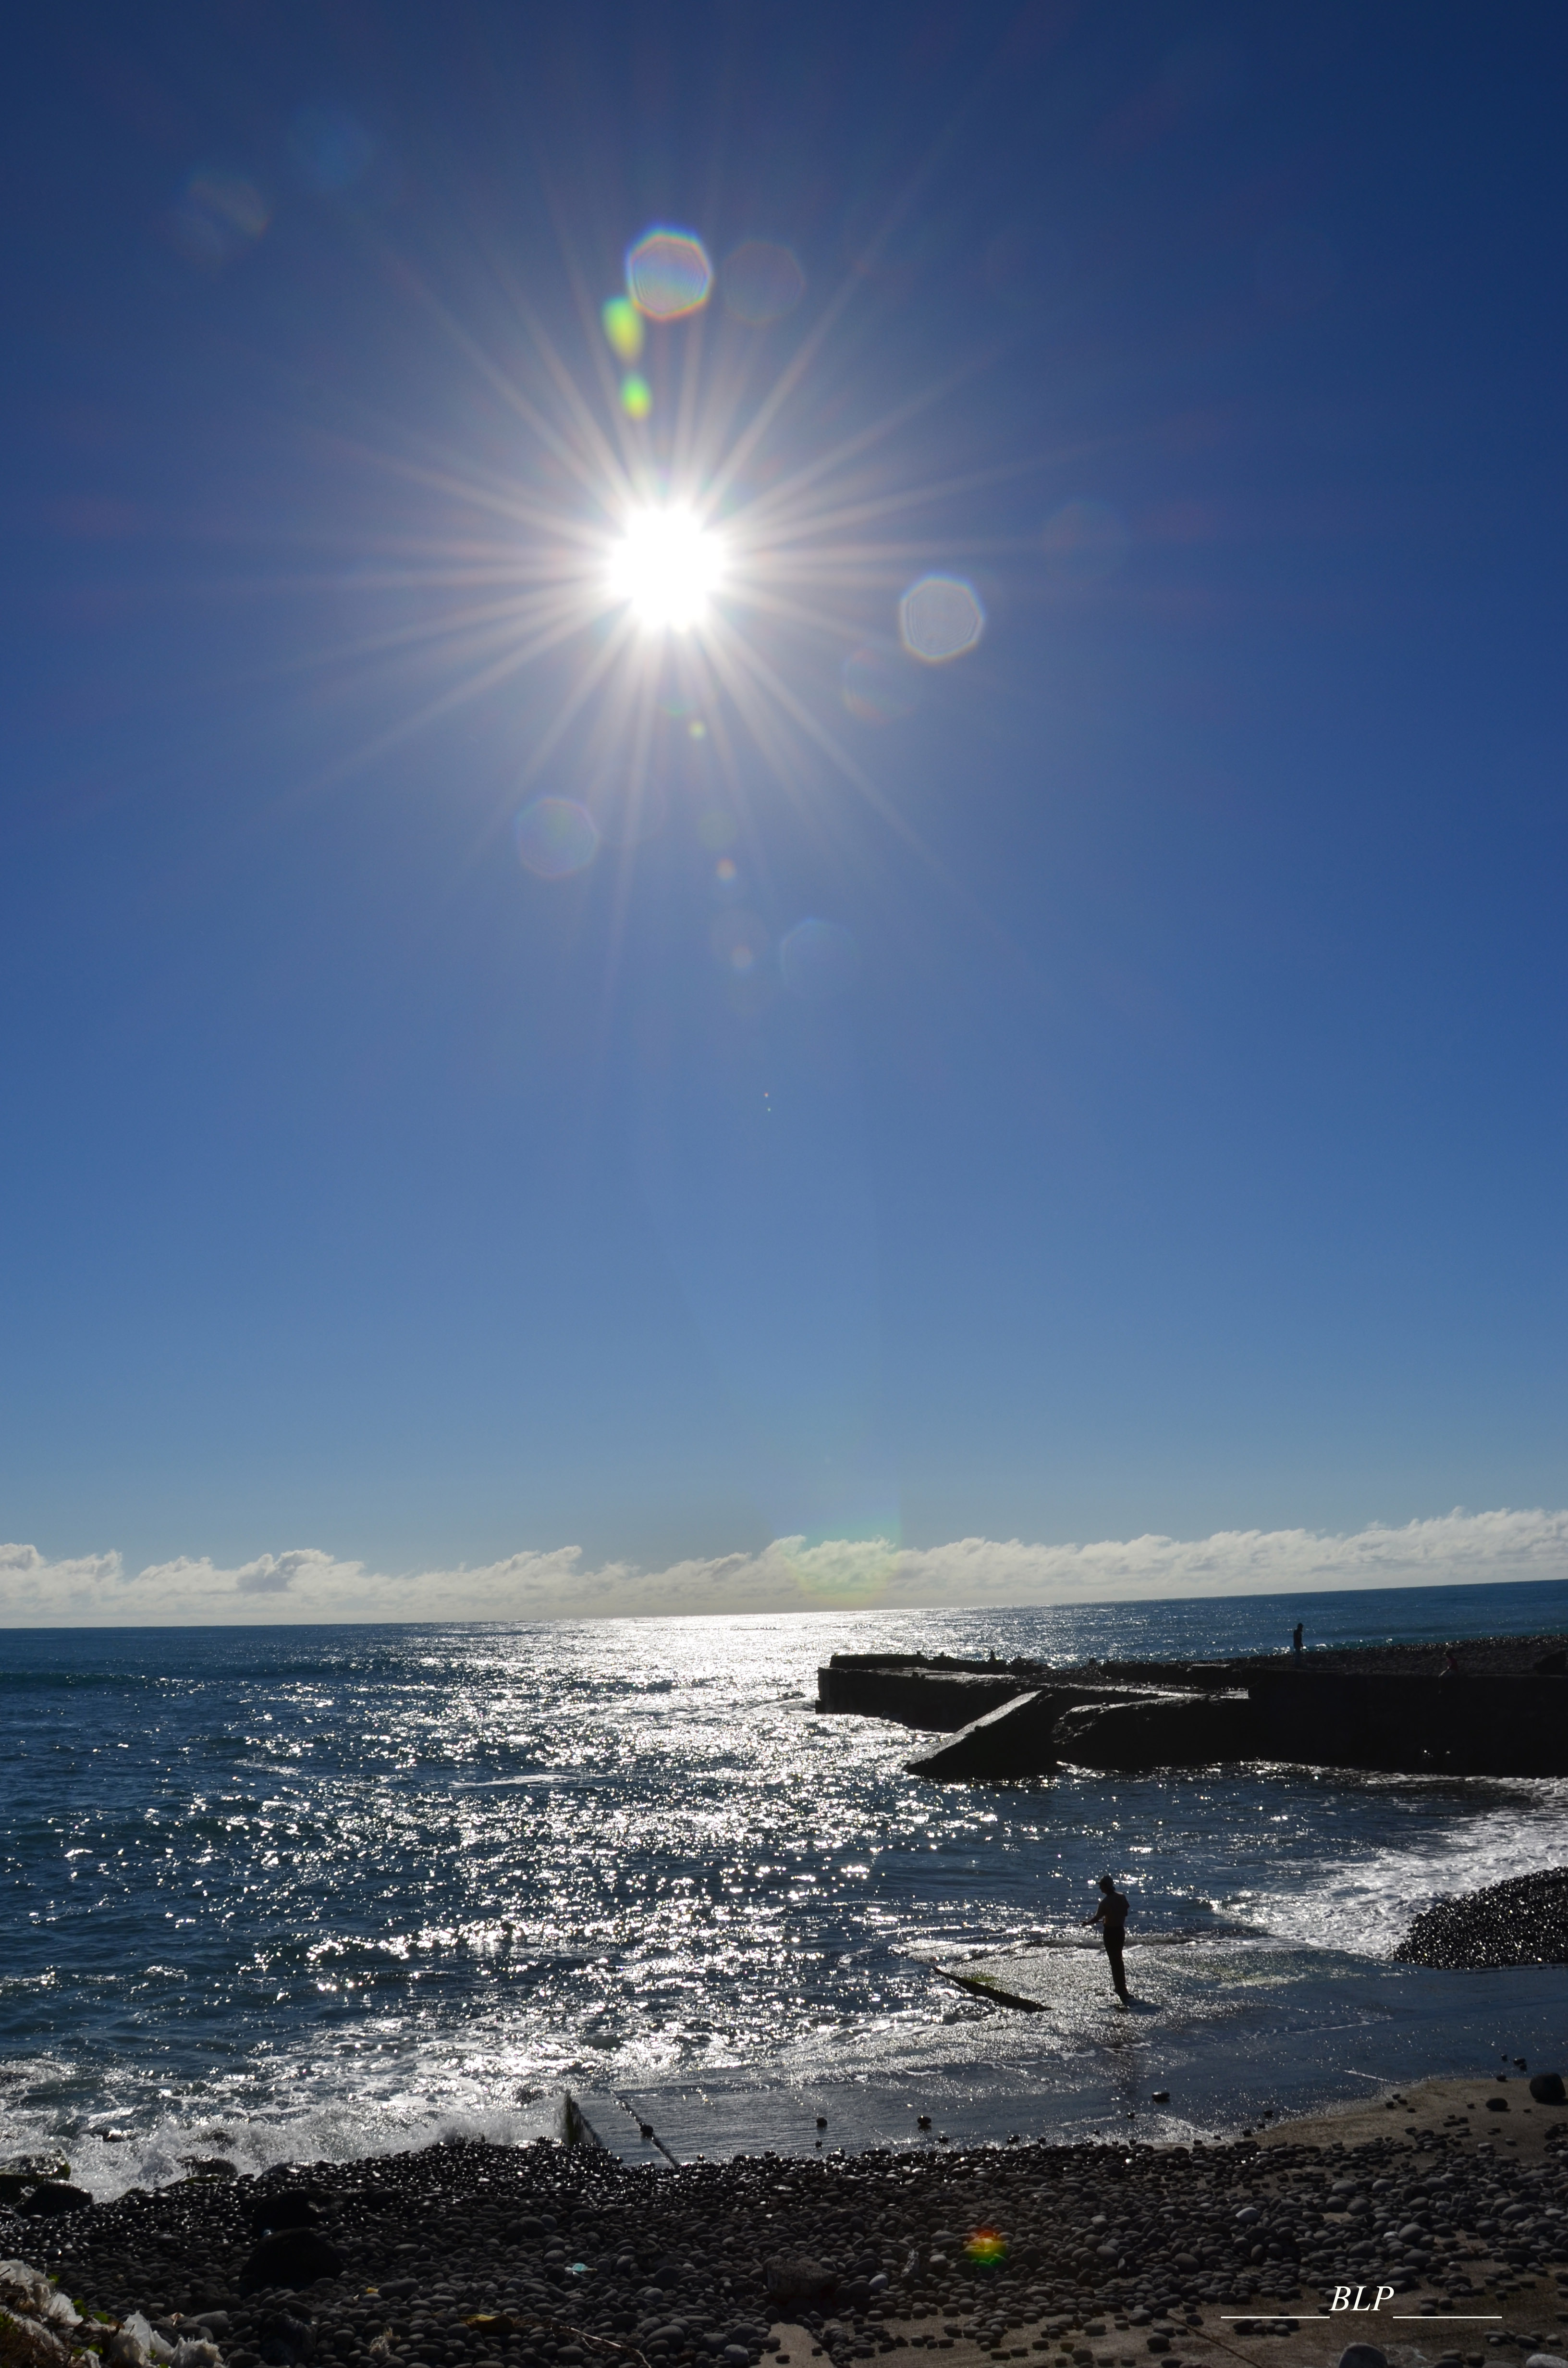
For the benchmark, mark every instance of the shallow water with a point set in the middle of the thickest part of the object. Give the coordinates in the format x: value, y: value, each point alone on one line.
x: 329, y: 1890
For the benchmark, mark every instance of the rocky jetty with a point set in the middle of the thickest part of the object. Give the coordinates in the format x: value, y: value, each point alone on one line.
x: 1521, y: 1922
x: 468, y: 2255
x: 1498, y: 1707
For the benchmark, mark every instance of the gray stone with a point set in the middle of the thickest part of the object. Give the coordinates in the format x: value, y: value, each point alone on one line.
x: 798, y: 2281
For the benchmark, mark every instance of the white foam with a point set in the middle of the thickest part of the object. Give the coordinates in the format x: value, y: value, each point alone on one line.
x: 332, y: 2131
x: 1367, y: 1906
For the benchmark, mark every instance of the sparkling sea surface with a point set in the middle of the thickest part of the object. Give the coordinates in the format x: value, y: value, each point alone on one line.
x: 307, y: 1892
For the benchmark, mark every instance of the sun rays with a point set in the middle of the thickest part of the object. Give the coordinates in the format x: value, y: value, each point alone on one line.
x: 717, y: 551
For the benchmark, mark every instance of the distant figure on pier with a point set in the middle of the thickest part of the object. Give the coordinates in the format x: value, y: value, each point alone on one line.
x: 1450, y: 1664
x: 1296, y: 1637
x: 1111, y: 1916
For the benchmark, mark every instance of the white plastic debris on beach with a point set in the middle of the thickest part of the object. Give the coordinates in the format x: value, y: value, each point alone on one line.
x: 136, y: 2342
x: 43, y: 2317
x: 29, y: 2292
x: 30, y: 2345
x: 35, y: 2318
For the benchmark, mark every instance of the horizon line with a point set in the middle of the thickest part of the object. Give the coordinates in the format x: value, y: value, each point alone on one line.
x: 785, y: 1612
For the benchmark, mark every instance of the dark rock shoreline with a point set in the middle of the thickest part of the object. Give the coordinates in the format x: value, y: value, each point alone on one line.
x: 1521, y: 1922
x: 468, y: 2255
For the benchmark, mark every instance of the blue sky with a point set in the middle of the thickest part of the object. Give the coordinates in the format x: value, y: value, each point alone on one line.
x: 1185, y: 1152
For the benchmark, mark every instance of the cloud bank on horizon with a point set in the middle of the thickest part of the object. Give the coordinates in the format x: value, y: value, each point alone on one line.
x: 304, y: 1585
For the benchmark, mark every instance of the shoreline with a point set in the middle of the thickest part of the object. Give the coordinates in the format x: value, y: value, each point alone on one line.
x: 468, y: 2255
x: 1433, y: 2106
x: 1243, y: 2034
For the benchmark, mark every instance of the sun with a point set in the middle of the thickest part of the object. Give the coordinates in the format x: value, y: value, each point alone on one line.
x: 667, y: 568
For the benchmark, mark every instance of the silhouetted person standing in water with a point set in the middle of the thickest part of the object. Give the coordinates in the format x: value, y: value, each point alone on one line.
x: 1111, y: 1916
x: 1296, y: 1637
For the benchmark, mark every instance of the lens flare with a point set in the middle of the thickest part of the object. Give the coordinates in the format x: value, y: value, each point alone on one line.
x: 219, y: 215
x: 556, y: 836
x: 678, y: 537
x: 739, y: 941
x: 624, y: 328
x: 940, y: 618
x: 843, y: 1571
x: 666, y: 568
x: 987, y: 2249
x: 669, y: 274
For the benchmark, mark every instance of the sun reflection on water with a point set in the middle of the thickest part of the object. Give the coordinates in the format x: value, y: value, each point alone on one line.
x: 381, y: 1874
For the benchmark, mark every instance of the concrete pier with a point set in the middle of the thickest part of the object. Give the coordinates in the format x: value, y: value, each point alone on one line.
x: 1503, y: 1712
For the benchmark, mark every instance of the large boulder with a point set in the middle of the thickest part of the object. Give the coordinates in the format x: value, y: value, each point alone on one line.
x: 51, y: 2198
x: 1521, y: 1922
x: 294, y: 2257
x: 798, y: 2281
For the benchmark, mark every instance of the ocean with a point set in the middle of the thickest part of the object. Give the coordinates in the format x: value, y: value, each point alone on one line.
x: 286, y: 1894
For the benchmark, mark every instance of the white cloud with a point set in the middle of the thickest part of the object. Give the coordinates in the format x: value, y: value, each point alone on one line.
x: 97, y: 1590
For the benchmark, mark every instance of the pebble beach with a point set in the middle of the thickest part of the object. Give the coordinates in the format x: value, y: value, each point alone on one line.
x: 468, y: 2255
